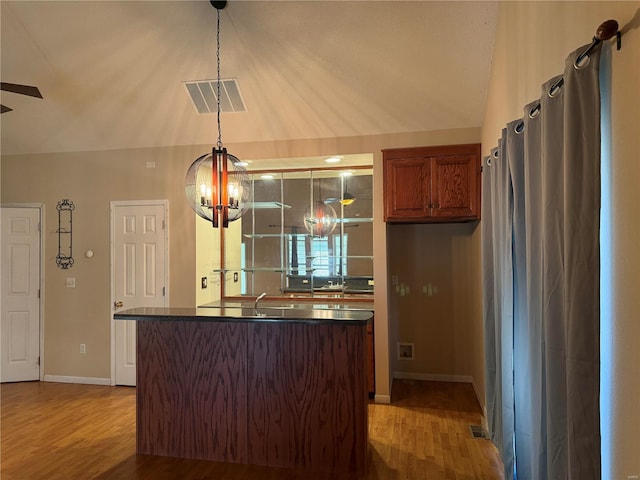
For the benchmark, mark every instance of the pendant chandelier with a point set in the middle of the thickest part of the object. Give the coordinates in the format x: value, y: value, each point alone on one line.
x: 216, y: 185
x: 320, y: 219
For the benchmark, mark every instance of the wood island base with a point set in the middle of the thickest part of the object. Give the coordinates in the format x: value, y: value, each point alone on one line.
x: 280, y: 394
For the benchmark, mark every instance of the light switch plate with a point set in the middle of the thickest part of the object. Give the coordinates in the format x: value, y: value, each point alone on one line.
x: 70, y: 282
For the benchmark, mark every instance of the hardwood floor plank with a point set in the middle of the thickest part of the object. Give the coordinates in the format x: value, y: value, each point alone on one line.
x: 60, y: 431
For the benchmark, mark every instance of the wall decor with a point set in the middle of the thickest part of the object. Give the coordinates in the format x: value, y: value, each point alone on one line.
x: 65, y: 208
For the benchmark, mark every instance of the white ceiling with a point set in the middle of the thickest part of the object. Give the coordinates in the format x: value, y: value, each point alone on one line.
x: 112, y: 73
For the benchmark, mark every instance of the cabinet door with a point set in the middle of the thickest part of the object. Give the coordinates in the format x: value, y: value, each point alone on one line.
x: 454, y: 193
x: 407, y: 183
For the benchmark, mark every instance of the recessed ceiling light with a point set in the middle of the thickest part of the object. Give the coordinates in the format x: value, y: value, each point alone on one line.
x: 333, y: 159
x: 346, y: 174
x: 266, y: 177
x: 242, y: 163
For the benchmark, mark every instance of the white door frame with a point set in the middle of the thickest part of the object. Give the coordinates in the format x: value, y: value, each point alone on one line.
x: 40, y: 207
x: 132, y: 203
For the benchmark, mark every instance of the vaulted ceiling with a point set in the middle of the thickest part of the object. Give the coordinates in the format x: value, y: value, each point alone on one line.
x: 112, y: 73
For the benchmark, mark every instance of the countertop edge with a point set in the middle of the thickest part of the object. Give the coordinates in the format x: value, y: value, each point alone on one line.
x: 312, y: 317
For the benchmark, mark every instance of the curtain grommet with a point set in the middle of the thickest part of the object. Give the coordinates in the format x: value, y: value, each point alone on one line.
x: 555, y: 88
x: 582, y: 61
x: 535, y: 111
x: 519, y: 128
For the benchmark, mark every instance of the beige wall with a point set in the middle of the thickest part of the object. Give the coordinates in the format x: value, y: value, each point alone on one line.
x: 435, y: 299
x: 207, y: 254
x: 92, y: 180
x: 532, y: 41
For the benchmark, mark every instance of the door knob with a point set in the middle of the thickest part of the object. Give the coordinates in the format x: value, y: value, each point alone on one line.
x: 118, y: 304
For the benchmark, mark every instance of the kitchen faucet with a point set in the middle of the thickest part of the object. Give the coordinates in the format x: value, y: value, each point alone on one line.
x: 260, y: 297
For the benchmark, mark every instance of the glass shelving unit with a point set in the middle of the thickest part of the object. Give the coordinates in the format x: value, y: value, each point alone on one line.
x: 272, y: 251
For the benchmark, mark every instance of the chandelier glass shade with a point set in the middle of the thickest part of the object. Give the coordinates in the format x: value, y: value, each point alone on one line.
x: 320, y: 220
x: 217, y: 188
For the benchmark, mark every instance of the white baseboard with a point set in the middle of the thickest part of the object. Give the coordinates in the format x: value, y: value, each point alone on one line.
x: 83, y: 380
x: 382, y: 399
x: 433, y: 377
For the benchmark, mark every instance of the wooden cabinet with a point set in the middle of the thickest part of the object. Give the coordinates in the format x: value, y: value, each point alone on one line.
x: 432, y: 184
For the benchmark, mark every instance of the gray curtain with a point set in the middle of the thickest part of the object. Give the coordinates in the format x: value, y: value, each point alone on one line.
x: 540, y: 234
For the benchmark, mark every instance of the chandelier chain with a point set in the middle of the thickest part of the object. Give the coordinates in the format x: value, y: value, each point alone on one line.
x: 218, y: 84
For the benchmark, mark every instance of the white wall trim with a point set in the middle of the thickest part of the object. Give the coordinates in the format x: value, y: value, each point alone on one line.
x: 433, y: 377
x: 83, y: 380
x: 42, y: 292
x: 382, y: 399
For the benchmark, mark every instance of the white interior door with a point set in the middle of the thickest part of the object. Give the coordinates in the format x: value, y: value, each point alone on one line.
x: 20, y: 285
x: 140, y: 257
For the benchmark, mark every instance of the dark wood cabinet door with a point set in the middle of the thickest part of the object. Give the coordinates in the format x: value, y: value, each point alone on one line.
x: 454, y: 187
x: 407, y: 188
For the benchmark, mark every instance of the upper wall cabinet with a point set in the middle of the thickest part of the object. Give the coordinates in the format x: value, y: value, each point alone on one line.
x: 432, y: 184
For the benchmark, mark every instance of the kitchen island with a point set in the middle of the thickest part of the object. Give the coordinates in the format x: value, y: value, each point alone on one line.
x: 319, y: 303
x: 279, y: 387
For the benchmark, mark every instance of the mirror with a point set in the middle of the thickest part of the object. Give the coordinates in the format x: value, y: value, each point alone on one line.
x: 308, y: 232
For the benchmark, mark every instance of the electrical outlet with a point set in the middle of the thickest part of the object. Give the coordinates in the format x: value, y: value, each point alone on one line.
x: 203, y: 282
x: 83, y: 348
x: 70, y: 282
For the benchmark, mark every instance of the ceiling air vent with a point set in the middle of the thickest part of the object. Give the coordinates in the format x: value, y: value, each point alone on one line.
x: 204, y: 96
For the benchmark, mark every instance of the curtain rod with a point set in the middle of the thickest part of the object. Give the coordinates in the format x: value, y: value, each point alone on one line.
x: 605, y: 31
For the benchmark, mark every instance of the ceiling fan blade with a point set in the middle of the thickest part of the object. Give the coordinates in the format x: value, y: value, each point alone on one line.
x: 21, y: 89
x: 4, y: 109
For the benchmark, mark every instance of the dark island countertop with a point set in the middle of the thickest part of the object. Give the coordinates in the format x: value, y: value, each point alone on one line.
x: 288, y: 314
x: 318, y: 304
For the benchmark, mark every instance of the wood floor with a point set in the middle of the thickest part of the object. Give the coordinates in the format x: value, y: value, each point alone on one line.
x: 64, y: 431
